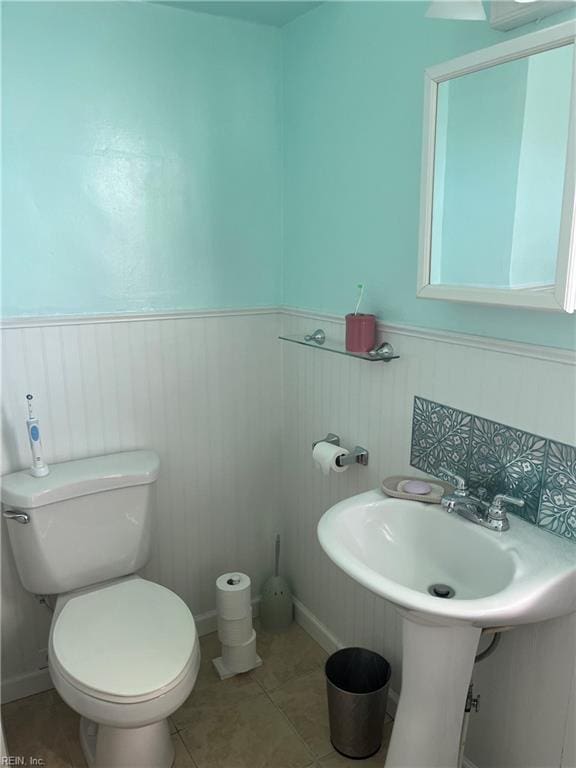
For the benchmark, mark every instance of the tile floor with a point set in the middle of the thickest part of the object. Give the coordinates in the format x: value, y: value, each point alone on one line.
x: 273, y: 717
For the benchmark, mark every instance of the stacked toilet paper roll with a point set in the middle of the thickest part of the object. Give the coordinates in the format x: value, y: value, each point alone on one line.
x: 235, y: 630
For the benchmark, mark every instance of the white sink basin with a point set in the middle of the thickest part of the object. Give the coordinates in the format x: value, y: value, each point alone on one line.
x: 398, y: 549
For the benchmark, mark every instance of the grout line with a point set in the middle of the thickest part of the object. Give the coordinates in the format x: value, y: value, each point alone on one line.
x: 255, y: 679
x: 287, y: 718
x: 181, y: 740
x: 290, y: 724
x: 172, y: 724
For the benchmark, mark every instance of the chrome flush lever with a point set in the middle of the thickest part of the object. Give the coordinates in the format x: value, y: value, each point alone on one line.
x: 20, y: 517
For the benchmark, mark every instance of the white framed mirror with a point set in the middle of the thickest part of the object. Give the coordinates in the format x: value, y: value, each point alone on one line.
x: 497, y: 222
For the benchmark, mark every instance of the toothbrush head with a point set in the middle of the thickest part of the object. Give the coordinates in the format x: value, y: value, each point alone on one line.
x: 360, y: 294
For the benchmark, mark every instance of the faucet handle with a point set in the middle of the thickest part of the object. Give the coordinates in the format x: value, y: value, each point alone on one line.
x: 497, y: 510
x: 459, y: 482
x: 496, y: 515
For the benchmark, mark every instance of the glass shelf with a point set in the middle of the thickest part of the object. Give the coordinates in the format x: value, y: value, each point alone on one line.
x: 338, y: 348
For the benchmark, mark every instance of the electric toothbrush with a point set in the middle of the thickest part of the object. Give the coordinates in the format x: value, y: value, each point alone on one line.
x: 39, y: 467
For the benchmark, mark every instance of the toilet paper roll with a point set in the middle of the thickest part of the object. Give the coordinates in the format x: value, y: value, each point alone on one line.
x: 325, y: 455
x: 235, y: 631
x: 240, y: 658
x: 233, y: 596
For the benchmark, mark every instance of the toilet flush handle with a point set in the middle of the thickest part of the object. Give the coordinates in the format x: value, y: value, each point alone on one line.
x: 20, y: 517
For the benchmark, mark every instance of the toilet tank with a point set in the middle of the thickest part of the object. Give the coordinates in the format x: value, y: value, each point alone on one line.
x: 88, y: 520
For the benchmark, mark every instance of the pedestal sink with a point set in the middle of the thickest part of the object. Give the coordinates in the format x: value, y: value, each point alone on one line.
x: 449, y: 579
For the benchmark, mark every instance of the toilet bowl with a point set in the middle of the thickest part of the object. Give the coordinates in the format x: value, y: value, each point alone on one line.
x: 124, y: 655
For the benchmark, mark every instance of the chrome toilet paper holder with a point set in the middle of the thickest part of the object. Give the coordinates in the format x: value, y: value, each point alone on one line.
x: 357, y: 456
x: 330, y: 438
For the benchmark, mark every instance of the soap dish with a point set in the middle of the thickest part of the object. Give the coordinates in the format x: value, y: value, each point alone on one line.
x: 393, y: 486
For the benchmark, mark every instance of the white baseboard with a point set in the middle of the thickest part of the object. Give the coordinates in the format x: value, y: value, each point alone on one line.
x: 30, y: 683
x: 315, y: 628
x: 20, y: 686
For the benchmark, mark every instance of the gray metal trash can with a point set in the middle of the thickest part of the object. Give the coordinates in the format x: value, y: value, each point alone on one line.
x: 357, y: 682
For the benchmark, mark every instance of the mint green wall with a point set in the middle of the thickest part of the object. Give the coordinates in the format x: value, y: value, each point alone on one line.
x: 142, y: 164
x: 484, y: 127
x: 498, y: 190
x: 353, y: 128
x: 141, y: 159
x: 541, y: 167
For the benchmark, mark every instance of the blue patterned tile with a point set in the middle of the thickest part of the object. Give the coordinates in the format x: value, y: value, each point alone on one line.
x: 440, y: 437
x: 507, y: 460
x: 558, y: 505
x: 496, y: 458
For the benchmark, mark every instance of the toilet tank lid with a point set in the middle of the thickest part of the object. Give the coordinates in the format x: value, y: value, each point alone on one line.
x: 71, y: 479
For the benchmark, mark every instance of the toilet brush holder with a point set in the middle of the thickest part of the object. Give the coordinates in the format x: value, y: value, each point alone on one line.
x: 276, y: 604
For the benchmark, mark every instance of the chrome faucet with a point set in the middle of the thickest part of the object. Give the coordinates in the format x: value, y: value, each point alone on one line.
x: 488, y: 515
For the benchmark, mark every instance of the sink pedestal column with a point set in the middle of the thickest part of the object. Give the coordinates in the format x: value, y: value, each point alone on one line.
x: 437, y: 665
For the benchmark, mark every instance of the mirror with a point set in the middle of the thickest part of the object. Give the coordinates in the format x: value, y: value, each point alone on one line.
x: 498, y: 175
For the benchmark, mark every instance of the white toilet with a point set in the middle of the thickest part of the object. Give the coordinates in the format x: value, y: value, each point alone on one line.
x: 123, y: 651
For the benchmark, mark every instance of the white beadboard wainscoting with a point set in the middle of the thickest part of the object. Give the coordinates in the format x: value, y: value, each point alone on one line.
x: 526, y: 685
x: 203, y: 391
x: 227, y: 406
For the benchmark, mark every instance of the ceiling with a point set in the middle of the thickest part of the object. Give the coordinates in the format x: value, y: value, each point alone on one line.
x: 275, y: 14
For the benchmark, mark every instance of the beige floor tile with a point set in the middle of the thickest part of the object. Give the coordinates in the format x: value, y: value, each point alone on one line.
x: 36, y: 730
x: 249, y: 734
x: 60, y: 717
x: 209, y: 690
x: 376, y: 761
x: 45, y: 726
x: 226, y: 724
x: 39, y: 700
x: 303, y: 701
x: 286, y: 655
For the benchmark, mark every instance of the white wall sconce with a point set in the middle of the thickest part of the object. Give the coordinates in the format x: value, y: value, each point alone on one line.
x: 457, y: 10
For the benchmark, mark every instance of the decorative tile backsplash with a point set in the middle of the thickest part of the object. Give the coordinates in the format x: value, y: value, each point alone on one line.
x: 505, y: 458
x: 496, y: 458
x: 558, y: 501
x: 440, y: 437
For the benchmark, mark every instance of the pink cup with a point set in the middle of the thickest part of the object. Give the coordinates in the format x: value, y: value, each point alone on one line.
x: 360, y: 333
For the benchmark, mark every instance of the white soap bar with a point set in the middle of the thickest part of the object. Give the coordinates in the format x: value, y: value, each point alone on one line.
x: 418, y: 487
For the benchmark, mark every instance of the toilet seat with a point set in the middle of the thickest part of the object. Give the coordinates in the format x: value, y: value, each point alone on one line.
x: 128, y: 642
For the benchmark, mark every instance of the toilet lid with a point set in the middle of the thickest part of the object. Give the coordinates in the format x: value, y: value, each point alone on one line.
x: 129, y: 639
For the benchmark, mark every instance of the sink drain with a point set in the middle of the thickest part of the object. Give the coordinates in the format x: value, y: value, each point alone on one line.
x: 441, y: 590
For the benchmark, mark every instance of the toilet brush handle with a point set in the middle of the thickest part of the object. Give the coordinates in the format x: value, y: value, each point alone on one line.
x: 277, y: 561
